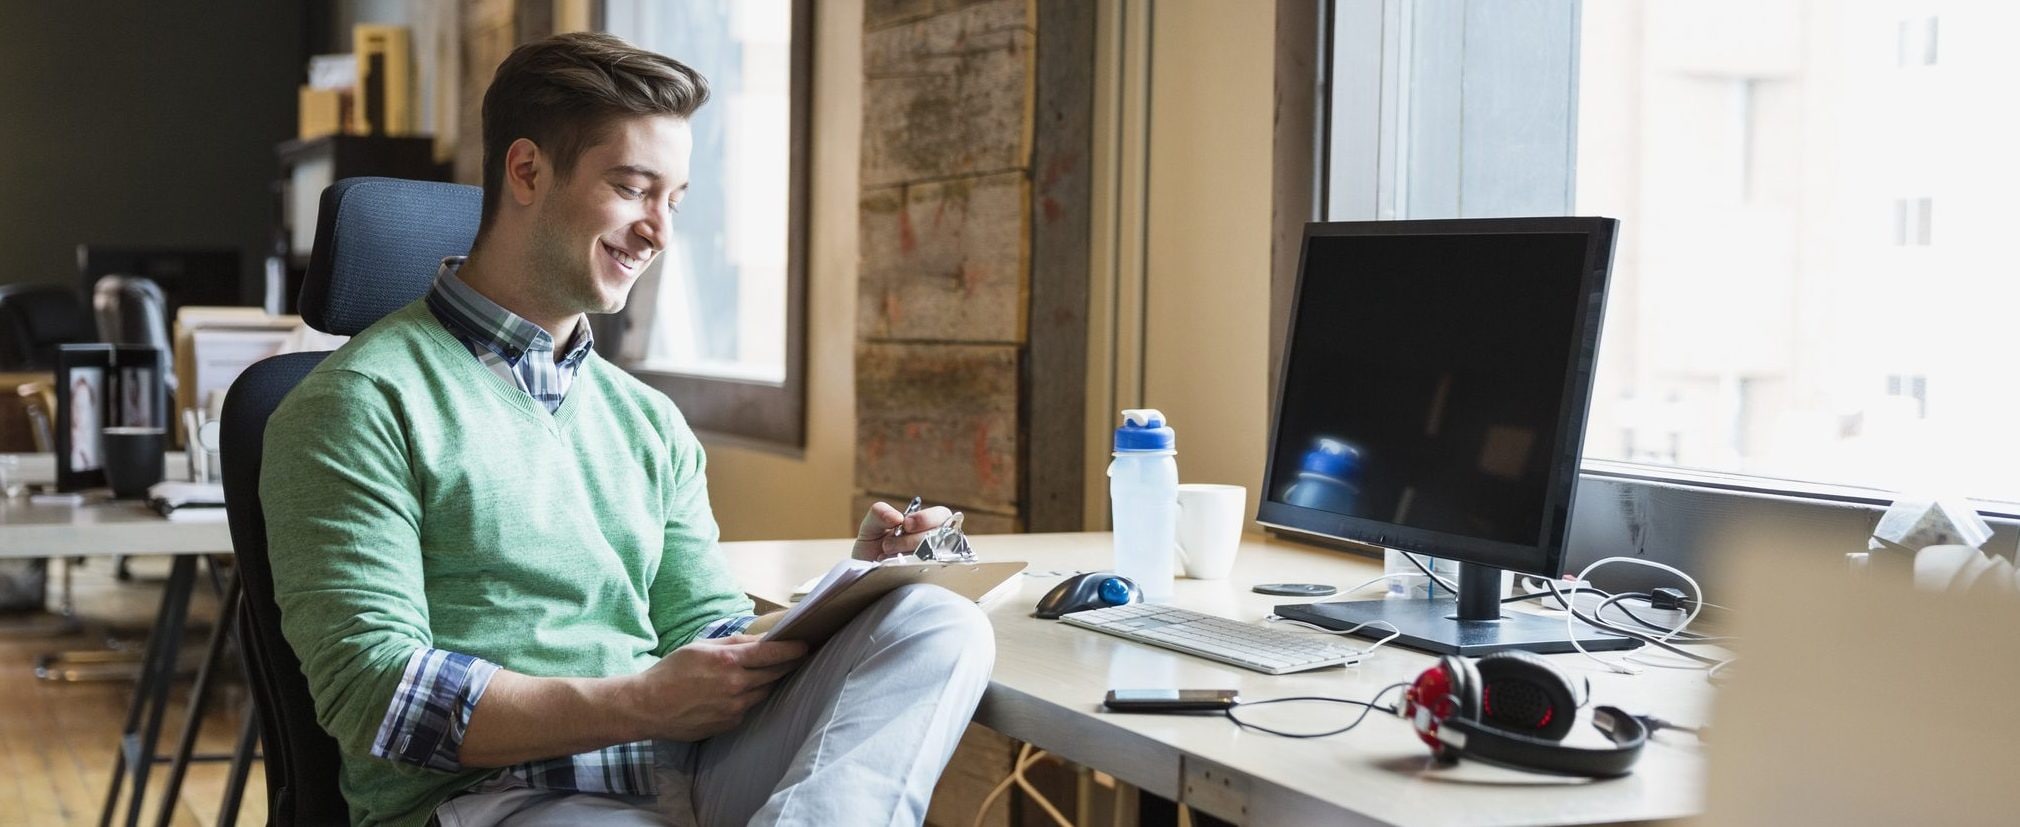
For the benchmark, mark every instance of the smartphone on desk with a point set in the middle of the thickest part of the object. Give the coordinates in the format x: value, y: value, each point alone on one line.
x: 1171, y: 700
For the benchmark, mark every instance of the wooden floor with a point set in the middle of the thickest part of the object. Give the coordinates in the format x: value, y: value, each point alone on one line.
x: 58, y: 740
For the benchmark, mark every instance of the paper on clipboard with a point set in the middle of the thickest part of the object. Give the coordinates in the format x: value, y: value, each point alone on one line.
x: 852, y: 585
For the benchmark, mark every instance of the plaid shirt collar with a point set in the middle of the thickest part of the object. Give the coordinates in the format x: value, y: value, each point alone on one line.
x: 481, y: 322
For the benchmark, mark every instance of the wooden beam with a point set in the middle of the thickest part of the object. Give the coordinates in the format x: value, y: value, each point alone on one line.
x: 948, y: 96
x: 945, y: 261
x: 1061, y: 222
x: 939, y: 421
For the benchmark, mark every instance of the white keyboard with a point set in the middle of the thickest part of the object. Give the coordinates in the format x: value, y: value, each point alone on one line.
x: 1217, y: 638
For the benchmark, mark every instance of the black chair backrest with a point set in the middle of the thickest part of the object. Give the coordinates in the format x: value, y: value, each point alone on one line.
x: 34, y: 320
x: 301, y: 759
x: 378, y: 244
x: 131, y: 310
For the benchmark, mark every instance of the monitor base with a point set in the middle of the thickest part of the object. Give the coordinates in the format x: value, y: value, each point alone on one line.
x: 1433, y: 625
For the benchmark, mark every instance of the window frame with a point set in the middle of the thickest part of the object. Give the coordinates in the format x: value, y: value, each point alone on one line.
x: 762, y: 413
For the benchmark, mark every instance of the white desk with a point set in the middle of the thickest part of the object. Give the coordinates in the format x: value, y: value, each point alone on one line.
x: 1050, y: 679
x: 99, y: 527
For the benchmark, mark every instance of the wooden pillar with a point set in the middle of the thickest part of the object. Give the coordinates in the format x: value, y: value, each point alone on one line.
x: 489, y: 30
x: 971, y: 327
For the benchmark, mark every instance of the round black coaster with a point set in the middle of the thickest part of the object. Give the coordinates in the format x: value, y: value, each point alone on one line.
x: 1296, y: 589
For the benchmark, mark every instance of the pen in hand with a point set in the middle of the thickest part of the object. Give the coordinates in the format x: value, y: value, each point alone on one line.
x: 909, y: 511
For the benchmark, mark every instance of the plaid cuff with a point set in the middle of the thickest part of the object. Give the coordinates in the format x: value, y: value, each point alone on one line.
x: 424, y: 724
x: 623, y: 769
x: 725, y: 627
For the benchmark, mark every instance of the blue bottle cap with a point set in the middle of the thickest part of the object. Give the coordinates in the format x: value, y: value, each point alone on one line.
x: 1333, y: 458
x: 1143, y: 429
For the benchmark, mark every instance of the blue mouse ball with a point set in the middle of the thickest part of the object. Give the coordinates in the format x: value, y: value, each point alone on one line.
x: 1093, y: 590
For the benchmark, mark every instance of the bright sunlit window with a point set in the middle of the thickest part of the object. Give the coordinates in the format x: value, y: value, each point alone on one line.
x: 714, y: 304
x: 1814, y: 279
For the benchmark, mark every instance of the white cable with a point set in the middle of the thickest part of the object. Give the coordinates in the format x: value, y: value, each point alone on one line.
x: 1027, y: 755
x: 1393, y: 631
x: 1621, y: 666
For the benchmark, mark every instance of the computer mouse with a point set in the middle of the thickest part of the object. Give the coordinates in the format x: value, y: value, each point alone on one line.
x: 1093, y: 590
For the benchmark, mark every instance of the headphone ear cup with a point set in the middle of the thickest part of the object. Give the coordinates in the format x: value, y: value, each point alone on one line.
x: 1465, y: 686
x: 1520, y: 692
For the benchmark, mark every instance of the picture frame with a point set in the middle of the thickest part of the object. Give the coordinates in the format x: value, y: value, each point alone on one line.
x: 84, y: 380
x: 139, y: 392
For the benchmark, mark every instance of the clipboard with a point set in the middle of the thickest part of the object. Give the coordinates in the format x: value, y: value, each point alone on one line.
x: 852, y: 586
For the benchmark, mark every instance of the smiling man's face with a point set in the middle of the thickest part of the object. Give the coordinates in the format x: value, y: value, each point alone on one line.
x: 598, y: 229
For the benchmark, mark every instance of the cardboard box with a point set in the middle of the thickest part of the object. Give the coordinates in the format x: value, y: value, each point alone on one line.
x: 385, y: 91
x: 322, y: 112
x: 214, y: 344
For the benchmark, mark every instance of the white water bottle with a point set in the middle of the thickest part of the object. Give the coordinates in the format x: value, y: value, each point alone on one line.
x: 1143, y: 493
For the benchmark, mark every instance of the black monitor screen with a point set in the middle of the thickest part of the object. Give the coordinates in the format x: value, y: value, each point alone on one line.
x: 1435, y: 384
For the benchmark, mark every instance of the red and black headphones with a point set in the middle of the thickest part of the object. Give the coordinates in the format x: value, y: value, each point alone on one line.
x: 1512, y: 709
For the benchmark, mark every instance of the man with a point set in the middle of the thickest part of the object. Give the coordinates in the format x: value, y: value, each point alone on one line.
x: 493, y: 550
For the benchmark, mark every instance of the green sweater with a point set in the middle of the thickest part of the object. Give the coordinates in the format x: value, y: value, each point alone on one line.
x: 415, y: 499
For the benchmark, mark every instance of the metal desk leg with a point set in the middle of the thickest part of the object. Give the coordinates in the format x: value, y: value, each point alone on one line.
x: 150, y: 695
x: 199, y: 697
x: 241, y: 766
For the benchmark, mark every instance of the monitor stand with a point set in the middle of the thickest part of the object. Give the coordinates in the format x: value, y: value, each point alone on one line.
x: 1472, y: 624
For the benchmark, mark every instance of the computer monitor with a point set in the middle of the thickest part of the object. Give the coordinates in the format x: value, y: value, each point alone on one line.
x: 186, y: 276
x: 1432, y: 400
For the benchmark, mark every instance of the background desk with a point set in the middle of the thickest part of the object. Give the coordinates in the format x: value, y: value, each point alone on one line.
x: 1050, y: 679
x: 99, y: 527
x: 102, y: 527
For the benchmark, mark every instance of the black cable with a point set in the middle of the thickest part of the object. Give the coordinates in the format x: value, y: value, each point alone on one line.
x: 1656, y: 725
x: 1647, y: 639
x: 1544, y: 595
x: 1366, y: 707
x: 1683, y: 637
x: 1612, y: 600
x: 1435, y: 580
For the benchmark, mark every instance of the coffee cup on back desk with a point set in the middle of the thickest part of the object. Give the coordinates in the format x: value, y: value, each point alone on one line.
x: 134, y: 460
x: 1209, y: 528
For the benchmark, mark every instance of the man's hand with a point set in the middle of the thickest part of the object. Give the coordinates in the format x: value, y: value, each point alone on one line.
x: 705, y: 687
x: 879, y: 537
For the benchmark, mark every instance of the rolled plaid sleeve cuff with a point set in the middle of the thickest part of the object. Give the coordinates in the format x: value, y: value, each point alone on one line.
x: 425, y: 723
x: 726, y: 627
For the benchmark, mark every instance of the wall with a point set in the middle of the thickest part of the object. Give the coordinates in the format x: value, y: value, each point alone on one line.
x: 1207, y: 273
x: 1207, y: 322
x: 1207, y: 292
x: 762, y: 493
x: 141, y: 124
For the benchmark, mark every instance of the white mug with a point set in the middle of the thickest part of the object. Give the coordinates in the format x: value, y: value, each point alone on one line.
x: 1209, y: 528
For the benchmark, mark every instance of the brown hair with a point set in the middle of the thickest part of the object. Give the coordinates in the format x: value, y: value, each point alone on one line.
x: 564, y: 91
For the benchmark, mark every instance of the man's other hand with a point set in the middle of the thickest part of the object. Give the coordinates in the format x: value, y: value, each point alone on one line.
x: 879, y: 537
x: 705, y: 687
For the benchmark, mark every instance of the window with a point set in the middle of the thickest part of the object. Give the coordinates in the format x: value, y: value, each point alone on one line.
x: 717, y: 321
x: 1781, y: 306
x: 1916, y: 42
x: 1912, y: 220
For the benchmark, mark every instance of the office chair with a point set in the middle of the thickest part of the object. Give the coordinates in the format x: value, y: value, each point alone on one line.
x: 131, y: 310
x: 34, y: 320
x: 378, y: 244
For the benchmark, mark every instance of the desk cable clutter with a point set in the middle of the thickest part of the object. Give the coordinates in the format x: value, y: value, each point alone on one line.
x: 1669, y: 639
